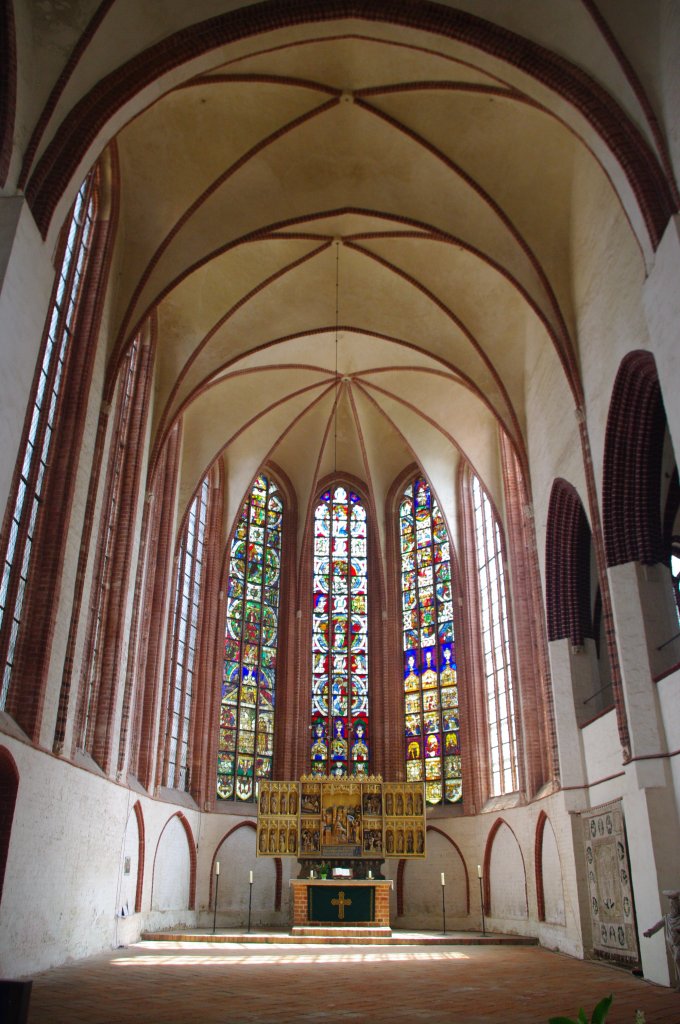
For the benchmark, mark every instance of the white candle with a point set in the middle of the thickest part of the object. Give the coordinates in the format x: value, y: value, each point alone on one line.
x: 217, y: 867
x: 251, y: 878
x: 443, y: 879
x: 370, y: 873
x: 479, y: 871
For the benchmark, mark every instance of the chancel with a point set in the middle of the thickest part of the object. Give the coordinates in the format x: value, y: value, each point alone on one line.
x: 340, y: 413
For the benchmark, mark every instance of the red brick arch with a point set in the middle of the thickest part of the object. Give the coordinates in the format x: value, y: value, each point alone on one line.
x: 278, y: 864
x: 192, y: 855
x: 78, y: 131
x: 498, y: 823
x: 636, y: 425
x: 9, y: 787
x: 141, y: 833
x: 538, y: 864
x: 567, y: 566
x: 401, y: 870
x: 8, y: 86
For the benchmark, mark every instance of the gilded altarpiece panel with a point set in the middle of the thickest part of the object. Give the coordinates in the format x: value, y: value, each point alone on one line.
x: 347, y: 818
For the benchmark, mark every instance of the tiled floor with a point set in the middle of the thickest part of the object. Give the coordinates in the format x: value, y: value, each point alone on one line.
x: 183, y: 983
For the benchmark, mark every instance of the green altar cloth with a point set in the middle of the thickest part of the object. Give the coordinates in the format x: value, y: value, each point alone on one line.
x: 331, y: 903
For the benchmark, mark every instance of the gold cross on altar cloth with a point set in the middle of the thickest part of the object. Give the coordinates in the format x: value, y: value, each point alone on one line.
x: 341, y: 902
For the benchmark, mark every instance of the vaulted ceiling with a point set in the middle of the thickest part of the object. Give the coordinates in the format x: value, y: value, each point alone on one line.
x: 356, y: 238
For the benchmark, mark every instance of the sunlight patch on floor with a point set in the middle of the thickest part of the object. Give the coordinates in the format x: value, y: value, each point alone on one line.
x: 181, y: 959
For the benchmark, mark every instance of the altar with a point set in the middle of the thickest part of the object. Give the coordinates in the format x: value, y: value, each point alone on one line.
x: 341, y: 902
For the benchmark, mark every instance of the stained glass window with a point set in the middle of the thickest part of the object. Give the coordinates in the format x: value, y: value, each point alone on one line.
x: 430, y: 675
x: 495, y: 644
x: 246, y: 744
x: 340, y: 733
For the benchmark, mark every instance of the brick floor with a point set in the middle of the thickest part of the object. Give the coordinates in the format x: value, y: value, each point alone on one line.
x: 183, y: 983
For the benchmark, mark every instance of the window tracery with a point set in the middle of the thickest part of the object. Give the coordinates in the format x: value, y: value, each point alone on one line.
x: 430, y: 674
x: 184, y: 638
x: 36, y: 454
x: 495, y: 644
x: 340, y: 719
x: 246, y: 740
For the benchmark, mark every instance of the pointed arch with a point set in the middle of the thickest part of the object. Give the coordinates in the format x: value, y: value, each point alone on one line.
x: 37, y: 518
x: 634, y: 439
x: 430, y: 877
x: 340, y: 720
x: 184, y: 822
x: 499, y: 824
x: 141, y: 834
x: 544, y: 828
x: 428, y: 642
x: 538, y: 866
x: 568, y: 566
x: 8, y: 86
x: 278, y: 865
x: 9, y: 787
x: 251, y: 640
x: 89, y: 117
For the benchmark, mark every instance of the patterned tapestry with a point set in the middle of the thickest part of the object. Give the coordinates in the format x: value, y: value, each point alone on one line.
x: 611, y: 896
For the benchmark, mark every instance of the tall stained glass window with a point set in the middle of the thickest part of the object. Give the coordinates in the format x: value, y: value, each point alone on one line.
x: 246, y: 744
x: 340, y: 733
x: 495, y: 645
x: 430, y: 680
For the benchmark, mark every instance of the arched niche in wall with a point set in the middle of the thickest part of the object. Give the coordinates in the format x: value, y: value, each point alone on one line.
x: 132, y: 868
x: 9, y: 787
x: 174, y: 870
x: 641, y: 502
x: 505, y: 889
x: 237, y: 857
x: 419, y: 895
x: 574, y: 602
x: 549, y: 882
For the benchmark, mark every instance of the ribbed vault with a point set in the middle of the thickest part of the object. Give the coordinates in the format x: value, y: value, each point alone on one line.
x: 354, y: 227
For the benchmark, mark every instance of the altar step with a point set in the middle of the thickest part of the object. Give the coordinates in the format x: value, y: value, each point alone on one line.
x: 337, y: 932
x: 303, y: 935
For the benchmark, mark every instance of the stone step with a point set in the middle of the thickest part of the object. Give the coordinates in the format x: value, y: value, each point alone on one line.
x: 335, y: 931
x: 336, y: 936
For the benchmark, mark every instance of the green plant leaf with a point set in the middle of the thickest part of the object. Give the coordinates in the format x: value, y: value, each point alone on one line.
x: 582, y: 1019
x: 562, y: 1020
x: 601, y: 1010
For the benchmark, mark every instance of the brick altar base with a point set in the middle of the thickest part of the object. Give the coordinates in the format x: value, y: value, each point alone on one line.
x: 381, y: 916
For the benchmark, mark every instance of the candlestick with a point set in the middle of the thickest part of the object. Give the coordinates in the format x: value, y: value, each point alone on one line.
x: 481, y: 898
x: 217, y: 885
x: 443, y: 903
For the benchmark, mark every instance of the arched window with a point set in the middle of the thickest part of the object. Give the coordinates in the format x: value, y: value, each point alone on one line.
x: 28, y: 494
x: 246, y: 744
x: 184, y: 633
x: 111, y: 510
x: 340, y: 724
x: 495, y: 644
x: 430, y: 679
